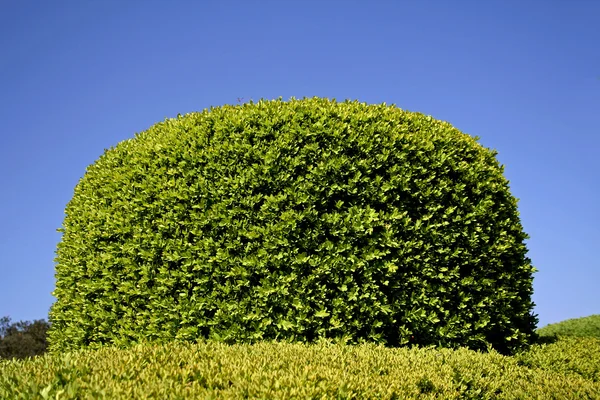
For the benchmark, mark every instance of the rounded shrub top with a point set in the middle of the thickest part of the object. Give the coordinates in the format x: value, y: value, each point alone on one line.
x: 294, y: 221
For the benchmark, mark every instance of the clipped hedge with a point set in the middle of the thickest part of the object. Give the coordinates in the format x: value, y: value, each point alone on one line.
x: 581, y: 327
x: 211, y: 370
x: 295, y: 220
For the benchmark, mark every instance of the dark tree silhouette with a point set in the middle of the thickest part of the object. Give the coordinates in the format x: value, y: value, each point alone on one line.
x: 22, y: 339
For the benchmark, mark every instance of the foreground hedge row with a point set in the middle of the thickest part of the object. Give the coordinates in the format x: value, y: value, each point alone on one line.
x: 567, y: 369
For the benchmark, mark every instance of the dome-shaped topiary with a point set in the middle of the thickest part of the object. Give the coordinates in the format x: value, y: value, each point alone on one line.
x: 295, y: 221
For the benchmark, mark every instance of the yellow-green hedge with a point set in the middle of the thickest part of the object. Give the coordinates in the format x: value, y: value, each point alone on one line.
x: 567, y: 369
x: 295, y: 220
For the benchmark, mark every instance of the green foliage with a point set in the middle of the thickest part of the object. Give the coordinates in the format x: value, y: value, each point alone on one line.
x: 212, y: 370
x: 578, y: 356
x: 580, y: 327
x: 22, y: 339
x: 295, y: 221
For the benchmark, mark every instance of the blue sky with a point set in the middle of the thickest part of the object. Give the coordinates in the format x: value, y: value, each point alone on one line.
x: 77, y: 77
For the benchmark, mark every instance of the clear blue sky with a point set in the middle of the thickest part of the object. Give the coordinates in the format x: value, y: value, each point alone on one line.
x: 77, y: 77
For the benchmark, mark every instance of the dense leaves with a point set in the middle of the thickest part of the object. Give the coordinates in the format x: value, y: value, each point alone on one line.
x: 208, y: 370
x: 583, y: 327
x: 295, y: 220
x: 22, y: 339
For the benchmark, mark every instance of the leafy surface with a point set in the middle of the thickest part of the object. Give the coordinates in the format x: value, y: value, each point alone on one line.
x: 294, y: 220
x: 211, y: 370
